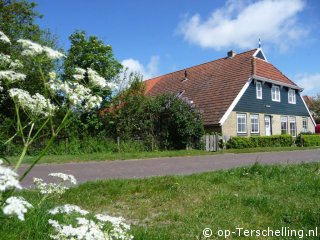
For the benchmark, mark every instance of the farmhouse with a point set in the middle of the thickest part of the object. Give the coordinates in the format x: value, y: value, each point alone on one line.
x: 240, y: 95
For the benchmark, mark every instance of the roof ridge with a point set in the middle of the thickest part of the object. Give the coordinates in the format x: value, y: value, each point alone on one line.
x: 255, y: 49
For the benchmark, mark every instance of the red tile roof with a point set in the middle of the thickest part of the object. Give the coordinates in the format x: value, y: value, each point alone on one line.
x: 214, y: 85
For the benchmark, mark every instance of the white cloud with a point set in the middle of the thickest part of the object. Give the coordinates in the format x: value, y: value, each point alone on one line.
x: 240, y: 23
x: 149, y: 71
x: 310, y: 83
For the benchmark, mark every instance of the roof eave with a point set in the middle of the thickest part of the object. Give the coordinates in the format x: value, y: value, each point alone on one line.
x: 277, y: 82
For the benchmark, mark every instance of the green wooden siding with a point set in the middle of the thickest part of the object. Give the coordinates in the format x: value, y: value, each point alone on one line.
x: 250, y: 103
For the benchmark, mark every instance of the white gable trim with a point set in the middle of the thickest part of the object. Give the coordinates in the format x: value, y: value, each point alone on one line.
x: 275, y: 82
x: 234, y: 103
x: 314, y: 123
x: 256, y: 52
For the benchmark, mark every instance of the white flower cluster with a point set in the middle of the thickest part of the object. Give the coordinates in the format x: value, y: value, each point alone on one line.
x: 34, y: 49
x: 35, y: 105
x: 55, y: 188
x: 78, y: 96
x: 64, y: 177
x: 4, y: 38
x: 11, y: 76
x: 8, y: 179
x: 95, y: 228
x: 7, y: 62
x: 79, y: 74
x: 16, y: 206
x: 96, y: 80
x: 68, y: 209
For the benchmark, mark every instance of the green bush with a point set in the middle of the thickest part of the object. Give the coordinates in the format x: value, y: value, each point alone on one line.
x: 308, y: 140
x: 260, y: 141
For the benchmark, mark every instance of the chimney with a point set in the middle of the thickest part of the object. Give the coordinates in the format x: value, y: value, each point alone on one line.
x: 231, y: 54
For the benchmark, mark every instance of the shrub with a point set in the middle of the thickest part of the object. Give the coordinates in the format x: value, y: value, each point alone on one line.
x: 308, y: 140
x: 260, y: 141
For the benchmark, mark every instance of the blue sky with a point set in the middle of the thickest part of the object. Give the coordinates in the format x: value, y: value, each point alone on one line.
x: 157, y: 37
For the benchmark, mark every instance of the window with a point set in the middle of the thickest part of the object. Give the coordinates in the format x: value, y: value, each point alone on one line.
x: 284, y: 125
x: 305, y: 124
x: 292, y: 96
x: 293, y: 127
x: 259, y: 90
x: 275, y: 93
x: 241, y: 123
x: 254, y: 123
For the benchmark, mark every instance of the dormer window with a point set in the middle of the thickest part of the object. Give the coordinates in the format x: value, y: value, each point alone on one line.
x: 275, y: 93
x: 259, y: 90
x: 292, y: 96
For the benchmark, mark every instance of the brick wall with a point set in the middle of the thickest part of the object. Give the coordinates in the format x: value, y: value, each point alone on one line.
x: 229, y: 128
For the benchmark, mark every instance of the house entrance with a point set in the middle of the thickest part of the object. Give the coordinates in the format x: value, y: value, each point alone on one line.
x: 267, y: 124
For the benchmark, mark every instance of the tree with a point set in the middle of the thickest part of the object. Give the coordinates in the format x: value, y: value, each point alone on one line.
x: 314, y: 106
x: 91, y: 53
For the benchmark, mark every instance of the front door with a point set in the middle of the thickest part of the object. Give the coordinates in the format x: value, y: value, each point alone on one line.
x: 267, y: 124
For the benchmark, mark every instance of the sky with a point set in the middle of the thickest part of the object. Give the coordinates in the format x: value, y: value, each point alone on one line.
x: 158, y: 37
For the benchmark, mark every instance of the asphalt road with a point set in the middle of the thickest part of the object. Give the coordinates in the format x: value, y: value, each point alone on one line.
x: 86, y: 171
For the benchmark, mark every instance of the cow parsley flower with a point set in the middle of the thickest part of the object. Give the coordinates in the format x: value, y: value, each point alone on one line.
x: 96, y: 80
x: 34, y: 49
x: 11, y: 76
x: 79, y: 74
x: 35, y: 105
x: 68, y: 209
x: 8, y: 179
x: 49, y: 188
x: 64, y: 177
x: 4, y: 38
x: 16, y: 206
x: 99, y: 227
x: 92, y: 102
x: 7, y: 62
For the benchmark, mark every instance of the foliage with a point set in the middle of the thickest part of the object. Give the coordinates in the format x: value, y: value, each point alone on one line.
x: 162, y: 122
x: 314, y: 106
x: 308, y: 140
x: 260, y: 141
x: 91, y: 53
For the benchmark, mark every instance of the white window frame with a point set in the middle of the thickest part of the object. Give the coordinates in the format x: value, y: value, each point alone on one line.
x: 286, y: 121
x: 305, y: 124
x: 293, y: 132
x: 259, y: 90
x: 292, y: 96
x: 242, y: 115
x: 275, y: 93
x: 254, y: 117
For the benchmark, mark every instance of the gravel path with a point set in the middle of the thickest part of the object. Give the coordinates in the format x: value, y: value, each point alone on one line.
x: 167, y: 166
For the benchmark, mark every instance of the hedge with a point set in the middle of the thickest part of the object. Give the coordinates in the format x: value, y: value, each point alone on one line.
x: 260, y: 141
x: 308, y: 140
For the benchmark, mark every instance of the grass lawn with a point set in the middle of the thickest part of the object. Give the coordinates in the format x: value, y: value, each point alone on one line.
x: 172, y: 208
x: 110, y: 156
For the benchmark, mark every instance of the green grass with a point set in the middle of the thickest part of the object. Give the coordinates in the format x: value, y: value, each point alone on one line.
x: 180, y: 207
x: 111, y: 156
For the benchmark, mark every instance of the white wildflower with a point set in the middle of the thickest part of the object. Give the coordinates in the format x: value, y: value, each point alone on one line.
x: 11, y: 76
x: 7, y: 62
x: 35, y: 105
x: 34, y: 49
x: 8, y: 179
x: 68, y: 209
x: 79, y: 74
x: 4, y: 38
x: 49, y: 188
x: 95, y: 79
x: 64, y: 177
x: 92, y: 102
x: 16, y: 206
x: 52, y: 75
x: 53, y: 54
